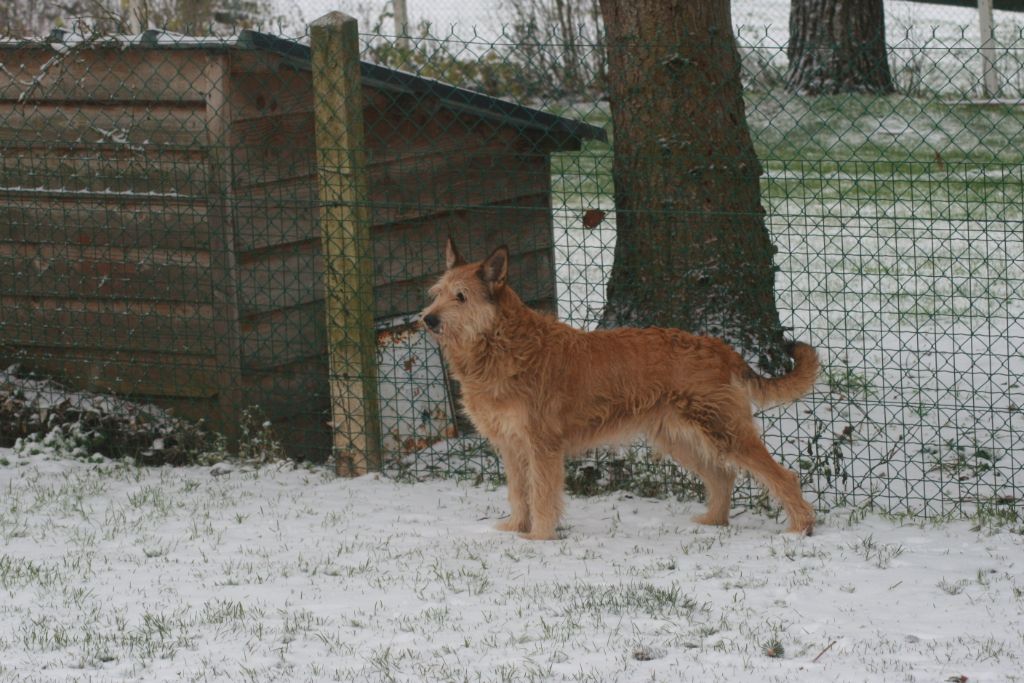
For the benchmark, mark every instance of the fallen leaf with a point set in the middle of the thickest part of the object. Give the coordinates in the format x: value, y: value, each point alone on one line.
x: 592, y: 218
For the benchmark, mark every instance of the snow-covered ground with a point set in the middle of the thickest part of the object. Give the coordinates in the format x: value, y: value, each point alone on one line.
x: 112, y: 572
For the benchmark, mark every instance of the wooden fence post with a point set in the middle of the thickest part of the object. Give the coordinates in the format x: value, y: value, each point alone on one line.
x: 401, y: 24
x: 989, y: 77
x: 345, y: 235
x: 223, y: 250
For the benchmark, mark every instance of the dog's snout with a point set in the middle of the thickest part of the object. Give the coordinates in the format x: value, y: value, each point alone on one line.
x: 431, y: 321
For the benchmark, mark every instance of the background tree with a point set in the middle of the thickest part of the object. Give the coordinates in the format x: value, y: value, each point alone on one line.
x: 692, y: 250
x: 837, y: 46
x: 22, y: 18
x: 27, y: 17
x: 560, y: 47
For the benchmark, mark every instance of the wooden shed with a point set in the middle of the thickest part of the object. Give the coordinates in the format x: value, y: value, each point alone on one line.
x: 159, y: 215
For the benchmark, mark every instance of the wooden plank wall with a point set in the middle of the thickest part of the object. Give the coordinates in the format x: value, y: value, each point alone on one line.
x: 281, y: 315
x: 106, y: 276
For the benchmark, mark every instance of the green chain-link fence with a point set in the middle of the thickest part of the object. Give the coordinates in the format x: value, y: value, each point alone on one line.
x: 242, y: 230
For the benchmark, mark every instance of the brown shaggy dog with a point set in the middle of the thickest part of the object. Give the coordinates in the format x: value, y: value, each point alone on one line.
x: 540, y: 390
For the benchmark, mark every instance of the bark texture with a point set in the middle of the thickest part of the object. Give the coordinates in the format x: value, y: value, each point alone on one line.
x: 837, y: 46
x: 692, y: 250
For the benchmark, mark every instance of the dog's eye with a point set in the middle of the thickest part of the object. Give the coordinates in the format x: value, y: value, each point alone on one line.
x: 460, y: 297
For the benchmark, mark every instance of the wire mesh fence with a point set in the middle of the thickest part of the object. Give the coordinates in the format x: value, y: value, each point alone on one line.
x: 227, y: 230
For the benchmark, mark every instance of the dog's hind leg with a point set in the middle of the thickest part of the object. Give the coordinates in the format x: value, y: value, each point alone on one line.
x: 718, y: 479
x: 518, y: 476
x: 748, y: 451
x: 546, y: 488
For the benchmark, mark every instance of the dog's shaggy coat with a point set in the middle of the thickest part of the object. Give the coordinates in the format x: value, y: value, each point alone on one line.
x: 540, y: 390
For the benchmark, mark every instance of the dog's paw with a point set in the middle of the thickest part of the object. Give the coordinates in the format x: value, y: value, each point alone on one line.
x: 803, y: 527
x: 711, y: 520
x: 532, y: 536
x: 511, y: 524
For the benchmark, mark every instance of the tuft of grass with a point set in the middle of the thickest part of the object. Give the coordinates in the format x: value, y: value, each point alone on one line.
x: 1000, y: 512
x: 634, y: 598
x: 953, y: 587
x: 847, y: 382
x: 963, y: 463
x: 645, y: 653
x: 881, y: 554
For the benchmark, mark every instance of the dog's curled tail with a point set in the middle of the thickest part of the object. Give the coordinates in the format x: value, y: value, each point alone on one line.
x: 770, y: 391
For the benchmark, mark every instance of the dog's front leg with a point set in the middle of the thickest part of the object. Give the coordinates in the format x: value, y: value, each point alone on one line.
x: 546, y: 490
x: 518, y: 490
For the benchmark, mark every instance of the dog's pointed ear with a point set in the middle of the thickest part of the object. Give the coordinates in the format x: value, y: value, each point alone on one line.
x: 452, y: 257
x: 494, y: 269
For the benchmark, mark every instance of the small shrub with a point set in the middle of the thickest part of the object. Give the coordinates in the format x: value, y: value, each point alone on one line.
x: 826, y: 457
x: 257, y: 441
x: 632, y: 470
x: 40, y: 416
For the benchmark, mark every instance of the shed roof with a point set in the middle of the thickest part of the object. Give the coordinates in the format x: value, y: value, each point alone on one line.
x: 381, y: 77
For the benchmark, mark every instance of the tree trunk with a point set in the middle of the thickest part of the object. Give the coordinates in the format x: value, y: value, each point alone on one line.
x: 837, y: 46
x: 692, y: 250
